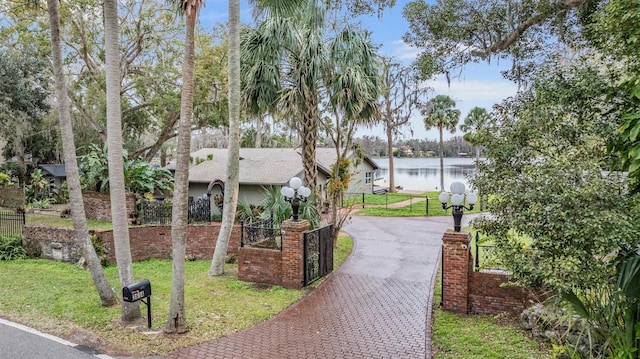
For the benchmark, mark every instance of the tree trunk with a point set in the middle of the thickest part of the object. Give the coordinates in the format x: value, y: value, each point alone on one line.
x: 259, y: 122
x: 441, y: 160
x: 392, y: 183
x: 309, y: 138
x: 130, y: 311
x: 107, y: 297
x: 233, y: 162
x: 177, y: 322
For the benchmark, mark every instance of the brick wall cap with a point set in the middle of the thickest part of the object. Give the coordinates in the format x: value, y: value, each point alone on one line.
x: 299, y: 225
x: 457, y: 237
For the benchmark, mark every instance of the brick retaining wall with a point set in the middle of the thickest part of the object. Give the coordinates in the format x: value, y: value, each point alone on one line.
x: 147, y: 242
x: 12, y: 197
x: 51, y: 243
x: 260, y: 265
x: 487, y: 295
x: 97, y: 205
x: 466, y: 291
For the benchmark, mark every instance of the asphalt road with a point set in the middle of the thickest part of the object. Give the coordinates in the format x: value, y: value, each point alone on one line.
x: 20, y: 342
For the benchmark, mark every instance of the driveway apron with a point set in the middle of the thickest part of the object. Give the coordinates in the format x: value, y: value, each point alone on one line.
x: 376, y: 305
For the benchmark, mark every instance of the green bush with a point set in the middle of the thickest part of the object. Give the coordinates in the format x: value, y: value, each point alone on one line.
x: 11, y: 248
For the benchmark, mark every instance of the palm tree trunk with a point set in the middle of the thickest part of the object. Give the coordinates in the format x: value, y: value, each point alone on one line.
x: 107, y: 297
x: 441, y: 160
x: 309, y: 138
x: 392, y: 184
x: 259, y: 122
x: 177, y: 322
x: 233, y: 162
x: 130, y: 311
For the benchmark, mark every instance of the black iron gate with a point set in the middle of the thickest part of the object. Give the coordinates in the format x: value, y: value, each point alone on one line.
x: 11, y: 224
x: 318, y: 253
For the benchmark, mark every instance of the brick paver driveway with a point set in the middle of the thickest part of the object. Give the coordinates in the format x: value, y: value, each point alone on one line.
x: 377, y: 305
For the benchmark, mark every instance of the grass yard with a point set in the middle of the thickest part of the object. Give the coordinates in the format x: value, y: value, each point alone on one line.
x: 424, y: 204
x: 56, y: 221
x: 482, y: 336
x: 53, y: 219
x: 59, y: 298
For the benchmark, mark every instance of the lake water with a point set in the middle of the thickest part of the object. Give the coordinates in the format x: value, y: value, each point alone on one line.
x: 423, y: 174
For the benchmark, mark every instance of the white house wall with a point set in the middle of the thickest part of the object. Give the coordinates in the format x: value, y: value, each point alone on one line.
x: 358, y: 183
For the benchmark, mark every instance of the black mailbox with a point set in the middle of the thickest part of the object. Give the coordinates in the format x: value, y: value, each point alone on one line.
x: 136, y: 291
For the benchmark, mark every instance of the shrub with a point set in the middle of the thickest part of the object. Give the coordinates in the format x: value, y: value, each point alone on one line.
x: 11, y: 248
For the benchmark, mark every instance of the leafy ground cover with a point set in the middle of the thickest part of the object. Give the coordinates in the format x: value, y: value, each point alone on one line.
x: 59, y: 298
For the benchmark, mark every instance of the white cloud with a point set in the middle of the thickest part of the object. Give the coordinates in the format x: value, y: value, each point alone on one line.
x: 472, y: 93
x: 467, y: 94
x: 401, y: 51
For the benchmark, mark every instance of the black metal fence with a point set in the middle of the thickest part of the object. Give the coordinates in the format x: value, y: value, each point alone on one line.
x: 199, y: 210
x: 11, y: 224
x: 389, y: 201
x: 318, y: 253
x: 265, y: 233
x: 159, y: 212
x: 485, y: 257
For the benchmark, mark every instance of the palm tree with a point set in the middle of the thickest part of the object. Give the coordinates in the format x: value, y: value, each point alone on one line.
x: 290, y: 63
x: 130, y: 311
x: 233, y: 164
x: 289, y: 55
x: 177, y: 322
x: 353, y: 86
x: 440, y: 112
x: 107, y: 297
x: 474, y: 126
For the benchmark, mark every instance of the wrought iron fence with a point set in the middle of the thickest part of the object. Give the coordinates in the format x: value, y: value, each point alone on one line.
x: 265, y: 232
x: 199, y: 210
x: 11, y: 224
x: 485, y: 256
x: 159, y: 212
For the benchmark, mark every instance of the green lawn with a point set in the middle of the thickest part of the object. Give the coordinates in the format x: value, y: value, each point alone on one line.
x: 482, y: 336
x: 424, y: 204
x: 54, y: 220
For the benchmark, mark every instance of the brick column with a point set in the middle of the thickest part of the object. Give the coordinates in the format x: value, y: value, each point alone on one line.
x: 456, y: 266
x: 292, y: 252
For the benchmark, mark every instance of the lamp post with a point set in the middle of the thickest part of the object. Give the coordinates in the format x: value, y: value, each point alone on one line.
x: 457, y: 198
x: 295, y: 193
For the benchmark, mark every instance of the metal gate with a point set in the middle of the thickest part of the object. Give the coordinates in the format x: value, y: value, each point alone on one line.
x: 318, y: 253
x: 11, y: 224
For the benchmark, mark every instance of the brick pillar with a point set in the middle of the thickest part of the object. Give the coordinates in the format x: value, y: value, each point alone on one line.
x: 292, y: 252
x: 456, y: 266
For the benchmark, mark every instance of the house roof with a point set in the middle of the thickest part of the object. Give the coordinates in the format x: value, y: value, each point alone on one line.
x: 262, y: 166
x: 55, y: 170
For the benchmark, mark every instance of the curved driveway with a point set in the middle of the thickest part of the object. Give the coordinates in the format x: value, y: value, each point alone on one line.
x: 376, y: 305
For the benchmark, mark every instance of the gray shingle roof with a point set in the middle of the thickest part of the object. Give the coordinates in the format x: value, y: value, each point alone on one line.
x: 55, y: 170
x: 264, y: 166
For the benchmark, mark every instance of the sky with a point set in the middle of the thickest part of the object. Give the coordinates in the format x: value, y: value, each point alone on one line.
x: 479, y: 84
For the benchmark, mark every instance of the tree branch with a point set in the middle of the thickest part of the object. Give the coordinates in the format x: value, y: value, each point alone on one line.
x: 520, y: 29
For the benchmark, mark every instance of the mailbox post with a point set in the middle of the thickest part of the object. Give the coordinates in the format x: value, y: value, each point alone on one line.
x: 138, y: 292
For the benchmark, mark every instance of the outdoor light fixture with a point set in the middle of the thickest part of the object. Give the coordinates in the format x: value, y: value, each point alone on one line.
x: 457, y: 198
x: 295, y: 193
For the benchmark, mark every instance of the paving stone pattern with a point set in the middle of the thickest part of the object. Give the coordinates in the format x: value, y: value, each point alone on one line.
x: 376, y: 305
